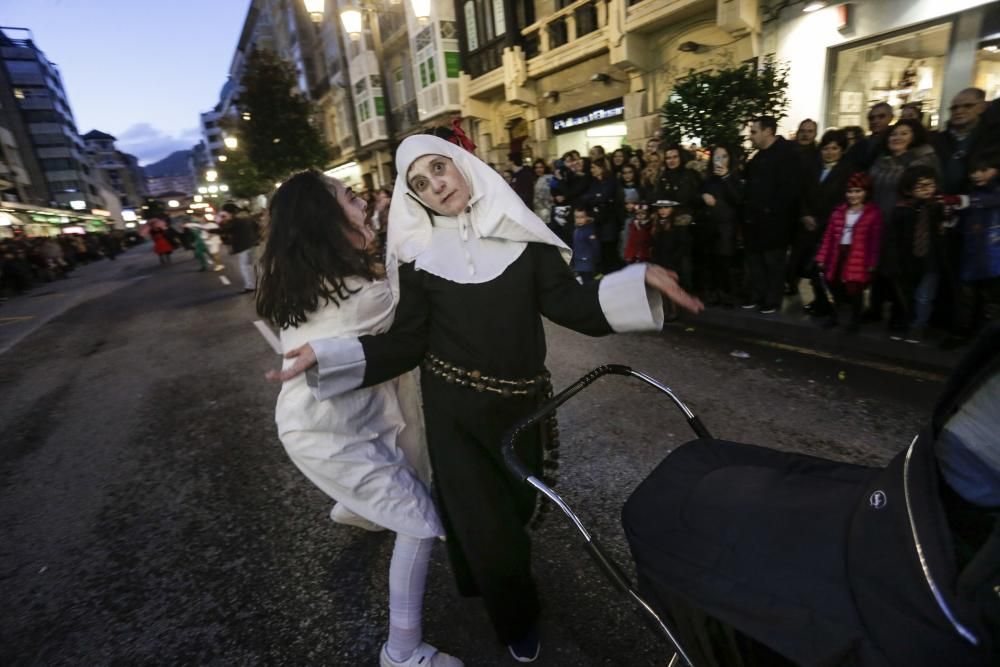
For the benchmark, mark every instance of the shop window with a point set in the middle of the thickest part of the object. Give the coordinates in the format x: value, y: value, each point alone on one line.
x: 988, y: 69
x: 897, y: 69
x: 471, y: 26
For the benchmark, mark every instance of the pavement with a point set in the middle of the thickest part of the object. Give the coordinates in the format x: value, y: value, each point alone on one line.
x: 793, y: 327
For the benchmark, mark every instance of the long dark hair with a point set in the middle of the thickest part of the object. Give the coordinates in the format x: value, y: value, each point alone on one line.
x: 308, y: 252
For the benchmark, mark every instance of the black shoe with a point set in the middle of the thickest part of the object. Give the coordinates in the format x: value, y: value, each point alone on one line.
x: 527, y: 648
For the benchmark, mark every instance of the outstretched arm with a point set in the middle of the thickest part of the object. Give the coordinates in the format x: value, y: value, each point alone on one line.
x: 337, y: 365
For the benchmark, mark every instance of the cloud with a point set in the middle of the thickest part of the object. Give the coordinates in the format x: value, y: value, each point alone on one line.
x: 150, y: 144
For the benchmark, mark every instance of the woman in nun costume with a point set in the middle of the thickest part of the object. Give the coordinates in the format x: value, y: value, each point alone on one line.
x: 472, y: 270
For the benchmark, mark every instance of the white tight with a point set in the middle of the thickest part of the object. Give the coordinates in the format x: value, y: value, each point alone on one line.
x: 407, y: 576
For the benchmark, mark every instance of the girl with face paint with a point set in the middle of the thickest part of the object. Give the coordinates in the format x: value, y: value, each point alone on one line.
x: 472, y: 271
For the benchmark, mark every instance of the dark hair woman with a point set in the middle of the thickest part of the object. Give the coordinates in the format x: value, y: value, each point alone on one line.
x: 311, y: 248
x: 824, y: 190
x: 600, y: 199
x: 366, y: 450
x: 682, y: 185
x: 722, y: 194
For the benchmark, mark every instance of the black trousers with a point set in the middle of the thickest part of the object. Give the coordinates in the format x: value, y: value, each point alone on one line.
x: 484, y: 508
x: 767, y: 275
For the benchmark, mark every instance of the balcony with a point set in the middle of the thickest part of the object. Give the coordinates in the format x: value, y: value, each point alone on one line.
x: 485, y: 59
x: 569, y: 35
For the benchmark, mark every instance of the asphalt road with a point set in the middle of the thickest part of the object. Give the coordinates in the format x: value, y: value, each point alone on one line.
x: 149, y: 515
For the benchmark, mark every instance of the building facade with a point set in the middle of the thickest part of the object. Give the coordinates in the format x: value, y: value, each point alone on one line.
x: 847, y: 56
x: 44, y: 110
x: 542, y: 77
x: 121, y: 171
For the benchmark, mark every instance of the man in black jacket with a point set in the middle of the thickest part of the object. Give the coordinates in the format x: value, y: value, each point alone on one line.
x: 243, y: 238
x: 772, y: 204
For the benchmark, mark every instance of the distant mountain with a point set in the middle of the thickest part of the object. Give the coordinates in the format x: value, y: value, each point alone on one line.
x: 175, y: 164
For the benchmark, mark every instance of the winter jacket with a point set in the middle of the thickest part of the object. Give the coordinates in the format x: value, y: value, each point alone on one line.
x: 955, y: 152
x: 887, y: 171
x: 683, y: 186
x: 242, y: 233
x: 586, y: 248
x: 639, y: 243
x: 600, y: 198
x: 898, y: 257
x: 980, y: 227
x: 822, y: 196
x: 542, y: 204
x: 866, y: 240
x: 724, y: 217
x: 773, y: 191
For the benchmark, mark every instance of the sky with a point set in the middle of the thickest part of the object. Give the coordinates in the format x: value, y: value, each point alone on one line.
x: 141, y: 70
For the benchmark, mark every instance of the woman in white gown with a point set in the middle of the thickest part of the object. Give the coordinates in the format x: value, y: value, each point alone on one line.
x: 366, y: 448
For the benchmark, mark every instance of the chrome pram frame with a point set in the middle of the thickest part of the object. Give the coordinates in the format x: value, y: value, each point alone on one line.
x: 610, y: 568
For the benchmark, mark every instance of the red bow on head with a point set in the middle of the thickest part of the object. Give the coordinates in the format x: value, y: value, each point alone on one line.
x: 460, y: 138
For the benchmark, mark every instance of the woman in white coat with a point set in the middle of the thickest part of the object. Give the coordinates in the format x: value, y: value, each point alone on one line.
x: 365, y: 448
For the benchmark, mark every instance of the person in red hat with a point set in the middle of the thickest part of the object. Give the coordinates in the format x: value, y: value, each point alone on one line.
x: 849, y: 253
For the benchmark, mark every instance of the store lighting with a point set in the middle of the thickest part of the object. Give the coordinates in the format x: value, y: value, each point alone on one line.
x: 422, y: 10
x: 78, y: 204
x: 315, y: 9
x: 129, y: 225
x: 209, y: 217
x: 223, y: 188
x: 211, y: 175
x: 231, y: 142
x: 201, y: 190
x: 814, y: 6
x: 351, y: 18
x: 246, y: 115
x: 213, y: 189
x: 128, y: 215
x: 173, y: 203
x: 222, y: 158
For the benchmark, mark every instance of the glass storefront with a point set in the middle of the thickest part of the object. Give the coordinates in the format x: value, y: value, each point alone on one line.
x: 898, y: 69
x: 988, y: 68
x: 601, y: 125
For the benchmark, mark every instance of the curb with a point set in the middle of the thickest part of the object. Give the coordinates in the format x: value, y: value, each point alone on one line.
x: 801, y: 330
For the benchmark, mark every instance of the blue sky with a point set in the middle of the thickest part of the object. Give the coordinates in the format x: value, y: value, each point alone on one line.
x: 141, y: 70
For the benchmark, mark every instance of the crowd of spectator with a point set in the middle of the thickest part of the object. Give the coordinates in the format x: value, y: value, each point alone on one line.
x: 28, y: 261
x: 900, y: 225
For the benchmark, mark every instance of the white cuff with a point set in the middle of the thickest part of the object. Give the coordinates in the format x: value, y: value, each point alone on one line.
x: 340, y: 367
x: 628, y: 304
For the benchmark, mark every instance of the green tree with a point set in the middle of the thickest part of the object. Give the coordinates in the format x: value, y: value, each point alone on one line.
x: 716, y: 105
x: 274, y: 133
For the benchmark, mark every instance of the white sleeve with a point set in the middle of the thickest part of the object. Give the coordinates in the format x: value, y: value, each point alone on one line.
x: 628, y: 304
x: 340, y: 367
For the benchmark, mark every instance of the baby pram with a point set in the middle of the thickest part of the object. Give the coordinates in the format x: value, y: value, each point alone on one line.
x: 752, y: 556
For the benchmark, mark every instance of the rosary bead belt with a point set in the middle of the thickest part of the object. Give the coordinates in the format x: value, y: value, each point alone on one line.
x: 474, y: 379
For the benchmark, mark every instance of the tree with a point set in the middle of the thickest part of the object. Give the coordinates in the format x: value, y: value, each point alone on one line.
x: 715, y: 106
x: 274, y: 133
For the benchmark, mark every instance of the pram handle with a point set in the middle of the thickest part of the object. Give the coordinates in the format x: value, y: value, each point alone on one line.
x: 510, y: 454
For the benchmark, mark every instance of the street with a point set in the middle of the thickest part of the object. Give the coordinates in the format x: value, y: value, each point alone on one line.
x: 150, y: 516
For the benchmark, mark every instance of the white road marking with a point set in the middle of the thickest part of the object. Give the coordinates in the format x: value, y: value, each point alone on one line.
x: 269, y: 336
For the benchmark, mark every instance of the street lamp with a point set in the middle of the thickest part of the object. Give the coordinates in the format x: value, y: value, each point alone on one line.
x: 315, y: 9
x: 351, y: 18
x: 422, y: 10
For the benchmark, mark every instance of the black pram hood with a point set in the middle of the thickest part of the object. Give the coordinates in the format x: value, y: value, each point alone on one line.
x: 824, y: 562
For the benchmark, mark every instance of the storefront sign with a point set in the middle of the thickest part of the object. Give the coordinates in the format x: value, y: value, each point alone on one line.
x: 612, y: 110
